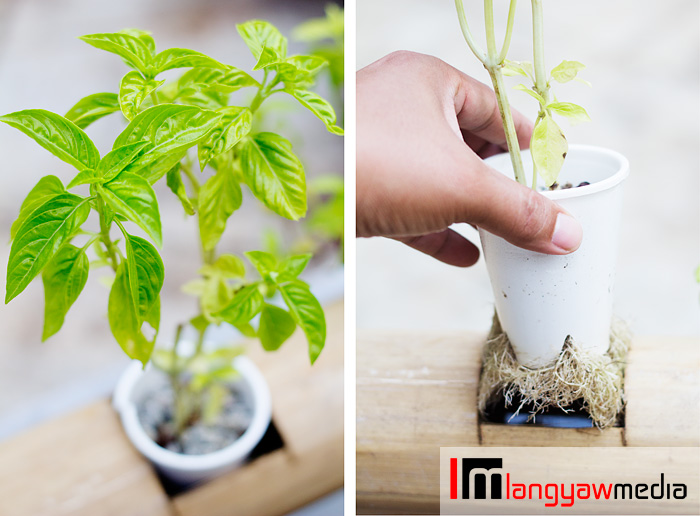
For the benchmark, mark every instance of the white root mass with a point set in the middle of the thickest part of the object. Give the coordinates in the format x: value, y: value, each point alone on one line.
x: 596, y: 380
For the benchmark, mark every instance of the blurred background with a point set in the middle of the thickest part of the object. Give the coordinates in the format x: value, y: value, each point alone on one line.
x: 643, y: 61
x: 44, y: 65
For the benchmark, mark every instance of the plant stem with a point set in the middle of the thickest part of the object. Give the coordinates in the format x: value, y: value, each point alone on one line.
x: 481, y: 56
x: 104, y: 235
x: 509, y: 31
x: 187, y: 169
x: 508, y: 125
x: 490, y: 33
x: 541, y: 84
x: 260, y: 96
x: 538, y: 49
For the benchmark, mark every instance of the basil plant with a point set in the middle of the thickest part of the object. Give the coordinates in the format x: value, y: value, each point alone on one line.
x: 174, y: 127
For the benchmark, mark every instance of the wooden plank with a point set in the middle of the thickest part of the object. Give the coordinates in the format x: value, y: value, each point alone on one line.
x: 525, y: 435
x: 308, y: 413
x: 272, y: 485
x: 417, y: 392
x: 414, y: 394
x: 81, y: 464
x: 663, y: 392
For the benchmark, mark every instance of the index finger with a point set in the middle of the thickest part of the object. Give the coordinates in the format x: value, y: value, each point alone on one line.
x: 477, y: 112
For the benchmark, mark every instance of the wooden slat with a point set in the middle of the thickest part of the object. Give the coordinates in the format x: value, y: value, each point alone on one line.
x: 308, y: 413
x: 524, y: 435
x: 78, y: 465
x: 663, y: 392
x: 417, y: 392
x: 414, y: 394
x: 274, y: 484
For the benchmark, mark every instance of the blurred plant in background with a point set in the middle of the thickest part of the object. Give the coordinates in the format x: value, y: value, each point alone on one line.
x: 326, y: 37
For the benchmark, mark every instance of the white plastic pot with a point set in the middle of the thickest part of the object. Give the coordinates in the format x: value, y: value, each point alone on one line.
x: 186, y: 469
x: 541, y: 299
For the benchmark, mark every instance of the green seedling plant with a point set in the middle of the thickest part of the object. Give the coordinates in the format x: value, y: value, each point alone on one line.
x: 548, y: 146
x: 174, y: 127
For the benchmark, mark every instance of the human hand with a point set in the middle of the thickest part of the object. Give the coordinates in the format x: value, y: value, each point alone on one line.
x: 423, y: 129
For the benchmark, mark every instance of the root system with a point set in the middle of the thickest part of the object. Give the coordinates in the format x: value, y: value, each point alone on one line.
x: 596, y: 380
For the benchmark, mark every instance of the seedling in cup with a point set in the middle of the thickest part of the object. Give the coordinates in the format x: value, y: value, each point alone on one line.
x: 167, y: 122
x: 548, y: 145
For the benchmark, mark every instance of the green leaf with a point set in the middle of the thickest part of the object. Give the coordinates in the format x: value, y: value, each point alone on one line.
x: 124, y: 320
x: 206, y: 79
x: 233, y: 80
x: 566, y: 71
x: 118, y: 159
x: 219, y: 197
x: 571, y: 111
x: 40, y: 236
x: 183, y: 58
x: 216, y: 294
x: 133, y: 91
x: 146, y: 274
x: 64, y: 279
x: 84, y: 177
x: 246, y: 304
x: 291, y: 267
x: 548, y: 147
x: 274, y: 174
x: 171, y: 129
x: 58, y: 135
x: 47, y: 188
x: 512, y: 68
x: 92, y: 108
x: 276, y: 326
x: 132, y: 196
x: 307, y: 66
x: 134, y: 298
x: 531, y: 92
x: 234, y: 124
x: 227, y: 266
x: 307, y: 313
x: 268, y: 57
x: 319, y: 107
x: 265, y: 263
x: 144, y: 36
x: 263, y: 40
x: 174, y: 182
x: 133, y: 50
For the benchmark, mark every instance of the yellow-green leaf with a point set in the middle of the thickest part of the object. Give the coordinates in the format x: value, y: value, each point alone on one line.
x: 133, y: 91
x: 548, y: 147
x: 234, y: 124
x: 274, y: 174
x: 566, y: 71
x: 64, y: 279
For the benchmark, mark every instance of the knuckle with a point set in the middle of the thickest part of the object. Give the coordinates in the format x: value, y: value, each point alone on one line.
x: 532, y: 220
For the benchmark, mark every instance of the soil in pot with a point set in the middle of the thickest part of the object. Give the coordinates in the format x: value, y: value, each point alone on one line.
x: 565, y: 186
x: 155, y: 413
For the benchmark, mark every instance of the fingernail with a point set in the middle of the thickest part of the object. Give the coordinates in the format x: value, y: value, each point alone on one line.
x: 567, y: 233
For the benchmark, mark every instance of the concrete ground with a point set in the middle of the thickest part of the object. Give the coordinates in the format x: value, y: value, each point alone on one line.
x: 645, y: 100
x: 44, y: 65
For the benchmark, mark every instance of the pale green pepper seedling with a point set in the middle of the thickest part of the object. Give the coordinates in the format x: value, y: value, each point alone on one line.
x: 548, y: 145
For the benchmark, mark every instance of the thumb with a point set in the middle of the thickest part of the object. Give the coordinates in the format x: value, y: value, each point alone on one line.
x: 523, y: 217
